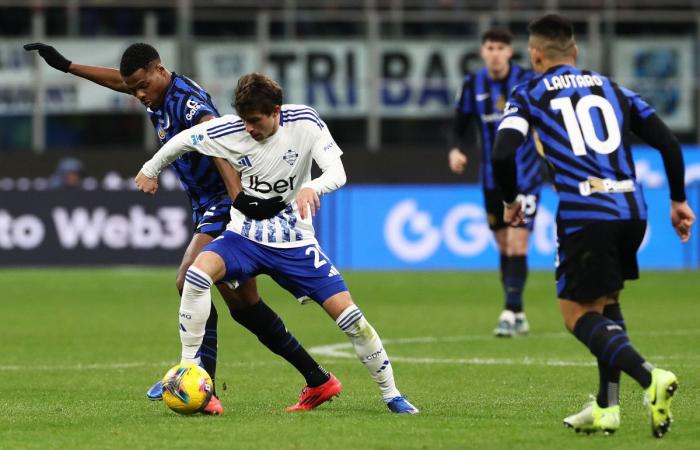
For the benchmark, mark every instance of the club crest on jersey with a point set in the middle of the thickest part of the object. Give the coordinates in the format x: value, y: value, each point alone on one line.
x: 163, y: 124
x: 290, y: 157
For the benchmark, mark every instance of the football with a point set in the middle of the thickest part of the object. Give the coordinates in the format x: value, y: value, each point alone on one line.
x: 187, y: 388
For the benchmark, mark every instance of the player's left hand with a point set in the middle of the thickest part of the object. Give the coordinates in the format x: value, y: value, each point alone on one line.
x: 145, y: 184
x: 513, y: 214
x: 682, y: 219
x: 308, y: 197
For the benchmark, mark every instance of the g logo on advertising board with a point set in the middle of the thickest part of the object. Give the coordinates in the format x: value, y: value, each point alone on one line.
x: 412, y: 236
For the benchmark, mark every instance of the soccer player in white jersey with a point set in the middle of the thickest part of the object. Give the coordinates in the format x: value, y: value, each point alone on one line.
x: 273, y: 145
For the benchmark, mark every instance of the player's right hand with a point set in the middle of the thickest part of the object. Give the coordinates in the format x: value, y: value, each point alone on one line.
x: 682, y: 219
x: 258, y: 208
x: 52, y: 57
x: 145, y: 184
x: 457, y: 161
x: 513, y: 213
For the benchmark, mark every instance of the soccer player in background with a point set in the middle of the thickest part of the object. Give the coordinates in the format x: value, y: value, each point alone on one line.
x: 273, y: 145
x: 481, y: 100
x: 583, y: 119
x: 175, y: 103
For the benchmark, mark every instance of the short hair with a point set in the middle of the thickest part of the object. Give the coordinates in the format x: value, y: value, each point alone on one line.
x: 137, y: 56
x: 256, y: 93
x: 557, y: 34
x: 497, y: 35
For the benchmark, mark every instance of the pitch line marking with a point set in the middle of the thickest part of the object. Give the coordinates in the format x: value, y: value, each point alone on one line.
x: 344, y: 350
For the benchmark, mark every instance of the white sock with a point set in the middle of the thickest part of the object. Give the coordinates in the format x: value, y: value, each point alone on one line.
x: 195, y: 306
x: 369, y: 349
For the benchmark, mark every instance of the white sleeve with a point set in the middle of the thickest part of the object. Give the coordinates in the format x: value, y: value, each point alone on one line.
x: 326, y: 153
x: 191, y: 139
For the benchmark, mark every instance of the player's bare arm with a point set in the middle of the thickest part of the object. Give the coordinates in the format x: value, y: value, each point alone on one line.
x: 104, y: 76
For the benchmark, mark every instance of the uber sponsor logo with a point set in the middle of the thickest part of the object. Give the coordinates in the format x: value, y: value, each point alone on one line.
x: 279, y: 186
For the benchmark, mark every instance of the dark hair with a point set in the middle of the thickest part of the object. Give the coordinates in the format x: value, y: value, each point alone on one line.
x: 256, y: 93
x: 497, y: 35
x: 137, y: 56
x: 554, y: 35
x: 552, y: 27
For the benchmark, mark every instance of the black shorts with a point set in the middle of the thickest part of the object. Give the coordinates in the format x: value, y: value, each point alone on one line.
x: 597, y: 259
x: 493, y: 202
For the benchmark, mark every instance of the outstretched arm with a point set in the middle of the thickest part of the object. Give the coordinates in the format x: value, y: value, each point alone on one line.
x: 104, y: 76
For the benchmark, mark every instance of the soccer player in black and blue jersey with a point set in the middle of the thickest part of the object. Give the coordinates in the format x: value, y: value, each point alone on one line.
x: 175, y: 103
x: 583, y: 120
x: 481, y: 100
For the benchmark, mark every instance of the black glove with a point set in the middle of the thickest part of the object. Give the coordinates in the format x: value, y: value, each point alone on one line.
x: 50, y: 55
x: 258, y: 208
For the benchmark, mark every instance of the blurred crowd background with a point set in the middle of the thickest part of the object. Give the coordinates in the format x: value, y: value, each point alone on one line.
x: 382, y: 73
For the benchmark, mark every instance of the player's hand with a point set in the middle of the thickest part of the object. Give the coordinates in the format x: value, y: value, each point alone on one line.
x: 50, y: 55
x: 308, y: 197
x: 145, y: 184
x: 513, y: 214
x: 457, y: 161
x: 682, y: 219
x: 258, y: 208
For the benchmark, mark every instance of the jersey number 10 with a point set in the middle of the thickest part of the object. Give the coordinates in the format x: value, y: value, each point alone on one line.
x: 580, y: 128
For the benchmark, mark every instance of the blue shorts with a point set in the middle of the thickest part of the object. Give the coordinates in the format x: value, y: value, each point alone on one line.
x: 213, y: 220
x: 306, y: 272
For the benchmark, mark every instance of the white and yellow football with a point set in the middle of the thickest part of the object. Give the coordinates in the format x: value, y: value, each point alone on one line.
x: 187, y: 388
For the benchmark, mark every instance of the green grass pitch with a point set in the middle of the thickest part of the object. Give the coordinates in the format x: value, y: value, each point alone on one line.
x: 80, y: 348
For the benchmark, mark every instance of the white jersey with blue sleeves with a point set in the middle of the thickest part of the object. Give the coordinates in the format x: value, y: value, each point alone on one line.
x: 279, y: 165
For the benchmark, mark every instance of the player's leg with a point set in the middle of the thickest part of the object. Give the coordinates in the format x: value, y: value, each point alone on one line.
x: 599, y: 258
x: 516, y: 276
x: 493, y: 203
x: 249, y: 310
x: 368, y: 348
x: 209, y: 342
x: 307, y: 272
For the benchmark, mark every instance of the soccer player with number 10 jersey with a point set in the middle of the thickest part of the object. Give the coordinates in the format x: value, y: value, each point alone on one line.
x: 583, y: 119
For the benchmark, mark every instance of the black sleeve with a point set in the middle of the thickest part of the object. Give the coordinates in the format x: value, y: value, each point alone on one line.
x: 503, y: 161
x: 460, y: 124
x: 654, y: 132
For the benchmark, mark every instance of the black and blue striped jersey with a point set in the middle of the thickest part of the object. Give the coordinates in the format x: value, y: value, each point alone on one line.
x: 485, y: 98
x: 184, y: 105
x: 582, y: 120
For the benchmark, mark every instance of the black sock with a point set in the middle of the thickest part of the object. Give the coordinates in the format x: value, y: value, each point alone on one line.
x: 263, y: 322
x: 208, y: 350
x: 609, y: 343
x: 503, y: 265
x: 514, y: 282
x: 609, y: 387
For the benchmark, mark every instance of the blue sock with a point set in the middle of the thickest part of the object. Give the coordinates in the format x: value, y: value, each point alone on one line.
x: 264, y: 323
x: 608, y: 341
x: 609, y: 386
x: 514, y: 282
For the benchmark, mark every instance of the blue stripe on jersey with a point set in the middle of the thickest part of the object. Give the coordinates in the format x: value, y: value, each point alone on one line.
x: 597, y: 161
x: 271, y: 230
x: 223, y: 125
x: 231, y: 129
x: 485, y: 99
x: 292, y: 115
x: 185, y: 103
